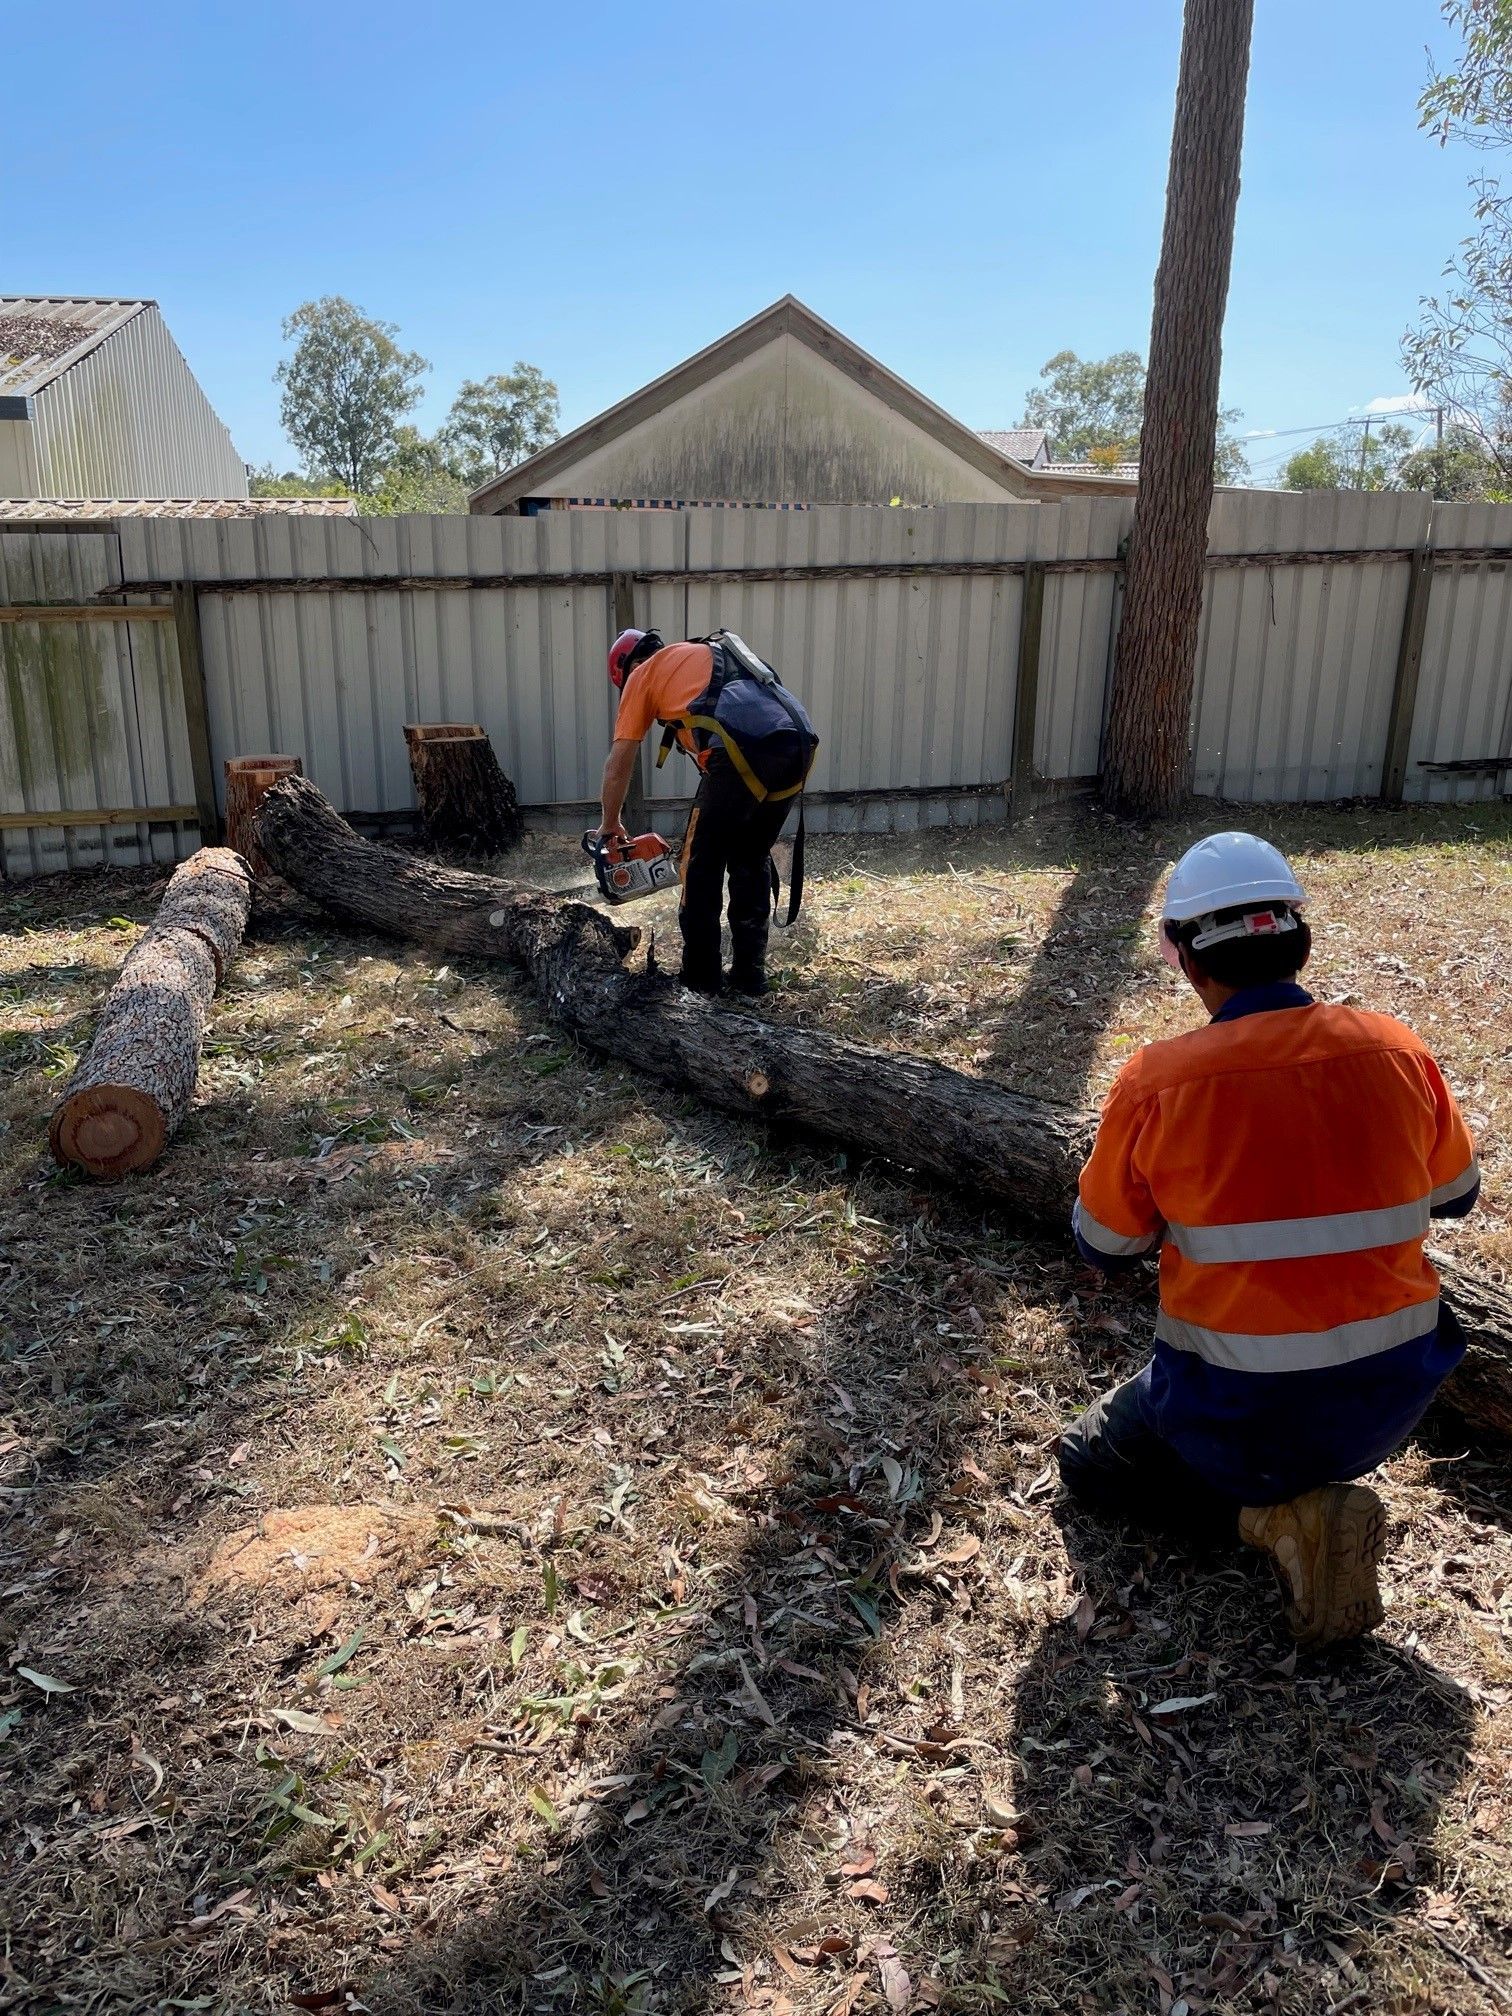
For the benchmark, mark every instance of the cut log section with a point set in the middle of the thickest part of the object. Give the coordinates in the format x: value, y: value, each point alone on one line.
x: 248, y: 781
x: 966, y: 1132
x: 136, y: 1081
x: 466, y: 801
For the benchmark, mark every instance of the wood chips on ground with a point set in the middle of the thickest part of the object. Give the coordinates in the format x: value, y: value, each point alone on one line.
x: 653, y: 1594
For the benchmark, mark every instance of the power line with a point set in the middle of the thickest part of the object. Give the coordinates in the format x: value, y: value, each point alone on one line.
x: 1329, y: 426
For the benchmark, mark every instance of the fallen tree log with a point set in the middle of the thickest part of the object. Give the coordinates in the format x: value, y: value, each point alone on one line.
x: 135, y: 1082
x: 969, y: 1133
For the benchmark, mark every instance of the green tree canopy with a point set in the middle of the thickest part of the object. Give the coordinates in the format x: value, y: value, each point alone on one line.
x: 1093, y: 411
x: 345, y: 390
x: 1087, y: 403
x: 266, y: 482
x: 497, y: 422
x: 1461, y: 470
x: 1460, y: 353
x: 1352, y: 461
x: 419, y: 476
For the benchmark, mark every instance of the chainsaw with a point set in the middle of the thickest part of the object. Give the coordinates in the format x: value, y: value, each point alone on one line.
x: 631, y: 868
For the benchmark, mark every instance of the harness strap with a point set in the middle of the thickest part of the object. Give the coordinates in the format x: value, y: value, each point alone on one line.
x: 736, y: 754
x: 795, y: 876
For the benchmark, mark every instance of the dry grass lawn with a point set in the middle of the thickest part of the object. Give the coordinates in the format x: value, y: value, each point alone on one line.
x: 485, y: 1533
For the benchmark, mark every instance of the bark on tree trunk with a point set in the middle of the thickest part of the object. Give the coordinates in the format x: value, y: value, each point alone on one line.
x: 248, y: 781
x: 1145, y: 760
x: 135, y: 1083
x: 466, y: 801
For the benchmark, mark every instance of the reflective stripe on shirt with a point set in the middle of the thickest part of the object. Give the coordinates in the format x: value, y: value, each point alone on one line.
x: 1303, y: 1238
x: 1447, y: 1193
x: 1107, y: 1241
x: 1300, y: 1350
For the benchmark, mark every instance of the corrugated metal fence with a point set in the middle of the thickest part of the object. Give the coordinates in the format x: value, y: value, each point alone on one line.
x: 934, y: 647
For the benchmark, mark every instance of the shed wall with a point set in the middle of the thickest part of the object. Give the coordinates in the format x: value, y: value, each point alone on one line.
x: 130, y: 420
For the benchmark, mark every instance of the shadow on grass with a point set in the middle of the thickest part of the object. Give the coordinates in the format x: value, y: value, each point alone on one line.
x: 1169, y: 1743
x: 780, y: 1712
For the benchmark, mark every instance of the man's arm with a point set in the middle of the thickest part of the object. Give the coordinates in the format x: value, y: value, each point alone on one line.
x: 1452, y: 1166
x: 619, y: 768
x: 1116, y: 1221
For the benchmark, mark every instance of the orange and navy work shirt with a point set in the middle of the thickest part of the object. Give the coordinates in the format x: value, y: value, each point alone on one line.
x: 1286, y: 1161
x: 661, y: 688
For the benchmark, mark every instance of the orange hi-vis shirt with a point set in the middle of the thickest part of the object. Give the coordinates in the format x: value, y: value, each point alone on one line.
x: 1286, y: 1161
x: 660, y: 688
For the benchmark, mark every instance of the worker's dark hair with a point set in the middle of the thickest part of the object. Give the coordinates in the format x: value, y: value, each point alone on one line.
x: 1247, y: 962
x: 652, y: 642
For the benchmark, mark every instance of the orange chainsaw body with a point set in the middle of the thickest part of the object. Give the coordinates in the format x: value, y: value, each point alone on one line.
x: 631, y: 868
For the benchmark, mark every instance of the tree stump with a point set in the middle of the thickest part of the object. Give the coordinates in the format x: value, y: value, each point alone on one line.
x: 466, y: 801
x: 135, y: 1083
x: 248, y: 781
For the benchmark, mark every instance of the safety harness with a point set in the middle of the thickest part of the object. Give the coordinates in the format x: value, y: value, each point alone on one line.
x: 744, y: 706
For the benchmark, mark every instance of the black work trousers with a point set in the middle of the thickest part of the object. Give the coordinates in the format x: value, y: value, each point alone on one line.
x: 1112, y: 1460
x: 730, y: 833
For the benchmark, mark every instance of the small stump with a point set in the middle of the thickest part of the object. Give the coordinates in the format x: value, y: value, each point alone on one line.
x: 249, y: 779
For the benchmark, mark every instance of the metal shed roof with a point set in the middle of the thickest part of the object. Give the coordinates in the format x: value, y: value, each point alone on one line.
x: 104, y: 510
x: 41, y: 335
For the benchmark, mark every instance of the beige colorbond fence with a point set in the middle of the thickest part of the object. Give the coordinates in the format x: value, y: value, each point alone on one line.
x: 956, y: 660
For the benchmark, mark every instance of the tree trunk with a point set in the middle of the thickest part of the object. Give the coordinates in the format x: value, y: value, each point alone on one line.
x: 965, y: 1132
x: 135, y: 1083
x: 1145, y: 761
x: 248, y: 781
x: 466, y: 801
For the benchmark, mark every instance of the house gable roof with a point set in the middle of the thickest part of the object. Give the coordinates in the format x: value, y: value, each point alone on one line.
x: 788, y: 317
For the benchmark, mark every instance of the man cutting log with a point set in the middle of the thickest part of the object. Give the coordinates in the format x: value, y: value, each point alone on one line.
x: 755, y: 745
x: 1286, y: 1161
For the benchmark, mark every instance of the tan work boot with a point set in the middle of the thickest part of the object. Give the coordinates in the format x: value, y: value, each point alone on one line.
x: 1326, y: 1545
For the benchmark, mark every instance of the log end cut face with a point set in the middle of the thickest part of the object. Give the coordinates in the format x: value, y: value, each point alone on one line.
x: 109, y: 1130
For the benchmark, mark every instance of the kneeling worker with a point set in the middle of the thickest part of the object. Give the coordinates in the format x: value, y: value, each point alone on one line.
x: 1286, y: 1160
x: 755, y: 745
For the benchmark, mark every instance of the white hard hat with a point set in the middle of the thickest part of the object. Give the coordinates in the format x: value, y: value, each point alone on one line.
x: 1226, y: 871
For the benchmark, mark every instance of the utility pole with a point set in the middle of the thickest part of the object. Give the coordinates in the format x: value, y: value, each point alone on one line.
x: 1364, y: 445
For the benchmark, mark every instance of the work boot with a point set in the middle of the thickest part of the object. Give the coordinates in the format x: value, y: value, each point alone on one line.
x: 699, y: 978
x: 748, y: 977
x: 1326, y: 1546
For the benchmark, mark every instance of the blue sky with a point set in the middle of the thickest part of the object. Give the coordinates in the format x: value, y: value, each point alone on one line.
x: 602, y: 189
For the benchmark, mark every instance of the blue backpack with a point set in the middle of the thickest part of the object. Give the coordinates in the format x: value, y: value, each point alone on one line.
x: 746, y: 709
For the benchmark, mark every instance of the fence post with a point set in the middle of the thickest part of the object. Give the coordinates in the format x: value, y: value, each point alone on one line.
x: 634, y: 814
x: 186, y: 624
x: 1405, y: 688
x: 1026, y: 699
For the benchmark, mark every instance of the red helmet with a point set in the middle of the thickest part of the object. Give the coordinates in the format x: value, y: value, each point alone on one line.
x: 620, y: 653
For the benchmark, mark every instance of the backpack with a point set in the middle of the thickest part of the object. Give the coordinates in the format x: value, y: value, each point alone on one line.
x: 746, y: 708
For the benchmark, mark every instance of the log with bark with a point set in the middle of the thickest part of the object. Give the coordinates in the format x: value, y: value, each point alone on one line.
x: 248, y: 781
x: 466, y: 801
x: 135, y: 1082
x: 969, y: 1133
